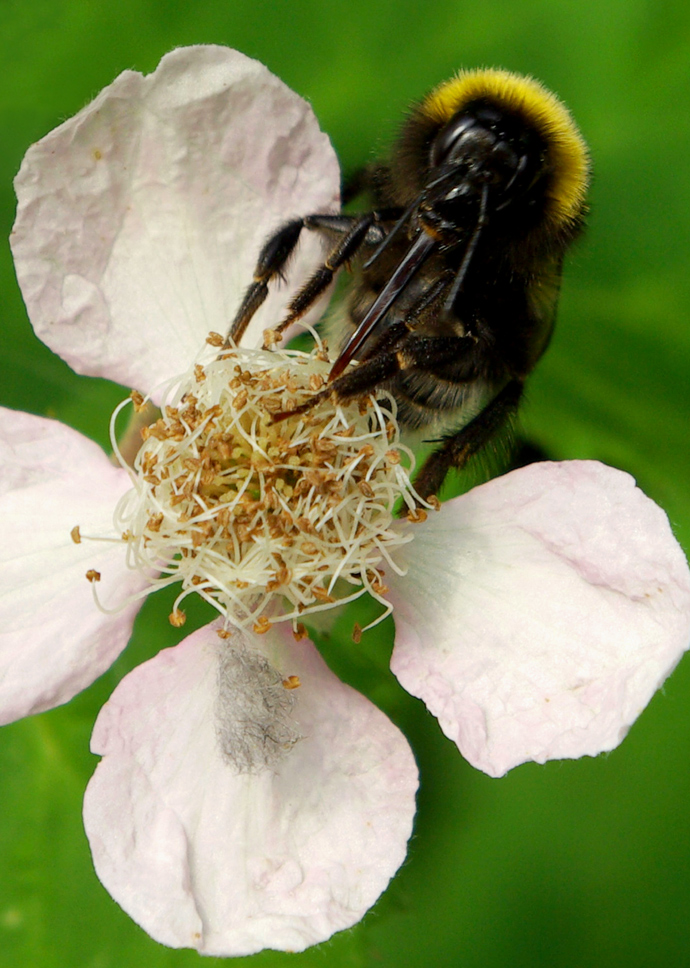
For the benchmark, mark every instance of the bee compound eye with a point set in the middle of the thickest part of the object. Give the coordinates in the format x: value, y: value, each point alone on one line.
x: 446, y: 141
x: 504, y: 163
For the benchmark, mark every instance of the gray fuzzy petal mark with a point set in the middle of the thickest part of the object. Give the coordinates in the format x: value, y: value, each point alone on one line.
x: 253, y: 710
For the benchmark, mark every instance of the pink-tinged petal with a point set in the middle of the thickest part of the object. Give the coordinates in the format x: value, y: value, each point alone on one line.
x: 54, y: 641
x: 204, y: 854
x: 541, y: 612
x: 140, y: 219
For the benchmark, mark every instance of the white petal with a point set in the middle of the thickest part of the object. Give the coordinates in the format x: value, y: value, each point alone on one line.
x: 204, y: 856
x: 541, y: 612
x: 54, y: 640
x: 140, y: 219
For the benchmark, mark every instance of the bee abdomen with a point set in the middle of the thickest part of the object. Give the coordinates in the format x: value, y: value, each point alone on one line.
x: 424, y: 401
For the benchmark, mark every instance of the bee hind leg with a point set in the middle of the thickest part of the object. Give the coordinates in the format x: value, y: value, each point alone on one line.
x: 456, y: 450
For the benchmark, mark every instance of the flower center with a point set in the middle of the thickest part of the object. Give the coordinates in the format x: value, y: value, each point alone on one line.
x: 249, y: 512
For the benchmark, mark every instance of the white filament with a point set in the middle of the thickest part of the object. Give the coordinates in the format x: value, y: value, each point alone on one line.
x: 250, y: 513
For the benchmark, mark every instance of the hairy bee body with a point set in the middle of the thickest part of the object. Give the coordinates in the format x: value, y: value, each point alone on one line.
x: 458, y: 265
x: 438, y: 398
x: 503, y: 326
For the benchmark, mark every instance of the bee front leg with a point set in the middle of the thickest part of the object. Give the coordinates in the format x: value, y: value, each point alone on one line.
x: 456, y: 450
x: 362, y: 229
x: 271, y: 262
x: 277, y: 250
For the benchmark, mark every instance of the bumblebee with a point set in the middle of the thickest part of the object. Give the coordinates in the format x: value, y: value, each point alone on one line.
x: 458, y: 265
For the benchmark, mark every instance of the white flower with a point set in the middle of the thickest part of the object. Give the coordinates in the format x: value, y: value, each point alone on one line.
x: 230, y: 812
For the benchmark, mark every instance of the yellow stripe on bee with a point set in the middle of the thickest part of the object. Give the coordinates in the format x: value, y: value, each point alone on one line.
x: 567, y: 151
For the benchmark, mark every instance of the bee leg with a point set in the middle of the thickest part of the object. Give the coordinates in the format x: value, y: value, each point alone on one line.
x: 271, y: 262
x: 277, y: 250
x: 357, y: 382
x: 363, y: 229
x: 366, y: 377
x: 354, y: 230
x: 274, y: 257
x: 457, y: 449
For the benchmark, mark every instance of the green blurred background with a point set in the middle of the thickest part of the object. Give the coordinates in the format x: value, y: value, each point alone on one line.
x: 573, y: 864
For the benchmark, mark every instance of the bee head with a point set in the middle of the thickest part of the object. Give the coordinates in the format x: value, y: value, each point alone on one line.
x: 500, y: 130
x: 482, y: 148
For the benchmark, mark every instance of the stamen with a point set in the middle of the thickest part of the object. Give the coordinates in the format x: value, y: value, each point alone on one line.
x: 263, y: 517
